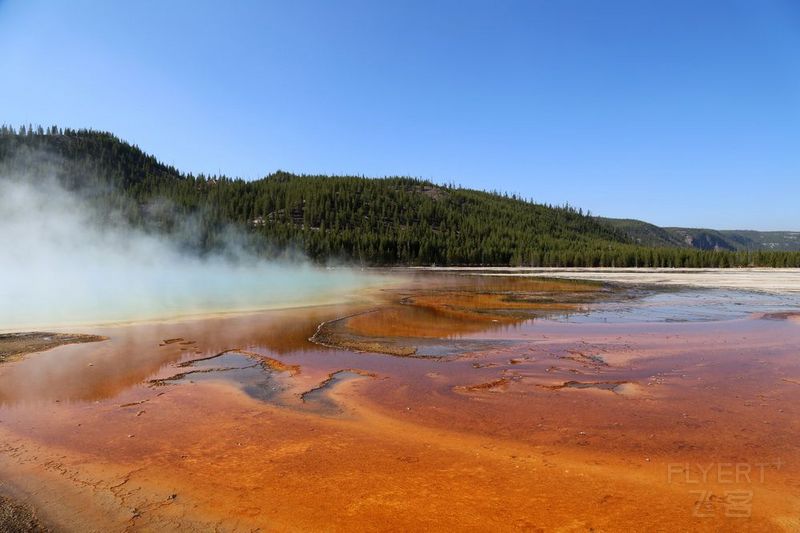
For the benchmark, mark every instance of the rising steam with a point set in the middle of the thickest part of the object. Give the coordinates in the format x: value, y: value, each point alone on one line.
x: 58, y: 265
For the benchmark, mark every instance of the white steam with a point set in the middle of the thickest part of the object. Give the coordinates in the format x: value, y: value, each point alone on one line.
x: 59, y: 266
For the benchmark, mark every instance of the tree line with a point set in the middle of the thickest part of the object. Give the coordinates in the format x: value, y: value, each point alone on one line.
x: 387, y: 221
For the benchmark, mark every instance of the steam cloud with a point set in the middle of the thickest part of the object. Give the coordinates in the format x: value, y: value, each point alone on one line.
x: 59, y: 266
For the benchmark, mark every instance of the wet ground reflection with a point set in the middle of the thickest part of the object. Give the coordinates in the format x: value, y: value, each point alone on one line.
x: 450, y: 400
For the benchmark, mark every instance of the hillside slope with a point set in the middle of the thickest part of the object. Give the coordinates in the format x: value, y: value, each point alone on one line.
x: 644, y: 233
x: 385, y: 221
x: 764, y: 240
x: 648, y: 234
x: 375, y: 221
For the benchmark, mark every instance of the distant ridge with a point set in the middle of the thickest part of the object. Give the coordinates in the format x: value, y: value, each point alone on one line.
x: 648, y: 234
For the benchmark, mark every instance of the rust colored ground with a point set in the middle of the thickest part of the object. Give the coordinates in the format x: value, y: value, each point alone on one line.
x: 535, y: 426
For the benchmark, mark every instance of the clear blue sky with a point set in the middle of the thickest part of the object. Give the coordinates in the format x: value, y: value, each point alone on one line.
x: 676, y: 112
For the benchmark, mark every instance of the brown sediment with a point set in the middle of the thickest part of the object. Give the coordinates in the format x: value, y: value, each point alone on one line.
x: 271, y: 363
x: 331, y: 339
x: 268, y: 362
x: 623, y: 388
x: 331, y: 334
x: 501, y: 383
x: 583, y: 357
x: 602, y: 385
x: 497, y: 306
x: 18, y: 518
x: 16, y: 345
x: 160, y: 382
x: 259, y: 360
x: 133, y: 404
x: 331, y: 378
x: 793, y: 316
x: 411, y: 319
x: 166, y: 342
x: 415, y: 449
x: 272, y: 380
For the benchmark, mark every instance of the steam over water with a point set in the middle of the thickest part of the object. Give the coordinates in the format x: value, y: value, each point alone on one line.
x: 59, y: 266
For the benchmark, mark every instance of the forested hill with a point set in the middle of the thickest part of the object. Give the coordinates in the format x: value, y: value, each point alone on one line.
x: 367, y: 221
x: 705, y: 239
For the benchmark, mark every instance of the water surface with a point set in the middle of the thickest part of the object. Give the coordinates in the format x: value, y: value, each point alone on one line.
x: 487, y: 403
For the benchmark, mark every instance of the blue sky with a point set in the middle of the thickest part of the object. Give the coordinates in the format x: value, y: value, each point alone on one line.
x: 676, y: 112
